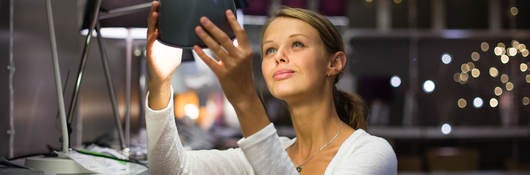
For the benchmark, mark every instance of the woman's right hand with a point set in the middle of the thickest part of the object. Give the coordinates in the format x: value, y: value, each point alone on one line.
x: 161, y: 66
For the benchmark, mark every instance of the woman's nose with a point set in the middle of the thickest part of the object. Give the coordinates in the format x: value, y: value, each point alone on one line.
x: 281, y: 57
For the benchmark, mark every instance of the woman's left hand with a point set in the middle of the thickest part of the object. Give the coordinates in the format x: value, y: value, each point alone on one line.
x: 234, y: 71
x: 234, y: 68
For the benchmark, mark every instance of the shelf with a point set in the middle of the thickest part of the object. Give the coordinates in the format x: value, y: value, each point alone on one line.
x: 456, y: 132
x: 444, y: 34
x: 339, y: 21
x: 435, y: 132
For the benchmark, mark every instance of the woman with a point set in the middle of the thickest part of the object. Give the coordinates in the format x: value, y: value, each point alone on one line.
x: 303, y: 58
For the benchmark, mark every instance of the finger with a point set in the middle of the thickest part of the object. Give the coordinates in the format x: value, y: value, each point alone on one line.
x: 210, y: 42
x: 151, y: 38
x: 240, y: 33
x: 218, y: 35
x: 153, y: 17
x: 213, y: 64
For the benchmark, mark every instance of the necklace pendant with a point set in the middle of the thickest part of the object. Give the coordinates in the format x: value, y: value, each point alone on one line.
x: 299, y: 168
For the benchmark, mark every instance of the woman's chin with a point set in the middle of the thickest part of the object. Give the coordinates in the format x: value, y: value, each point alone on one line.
x: 284, y: 95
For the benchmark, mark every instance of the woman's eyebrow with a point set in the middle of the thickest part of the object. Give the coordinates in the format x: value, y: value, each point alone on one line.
x: 290, y: 36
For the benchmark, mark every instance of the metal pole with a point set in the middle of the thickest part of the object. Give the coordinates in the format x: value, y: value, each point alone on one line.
x: 411, y: 103
x: 438, y: 15
x: 57, y: 75
x: 82, y: 65
x: 110, y: 87
x: 11, y: 69
x: 125, y: 10
x: 384, y: 15
x: 128, y: 57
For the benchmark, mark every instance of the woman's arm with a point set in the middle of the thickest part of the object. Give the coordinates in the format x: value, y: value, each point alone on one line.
x: 167, y: 156
x: 261, y: 144
x: 165, y: 152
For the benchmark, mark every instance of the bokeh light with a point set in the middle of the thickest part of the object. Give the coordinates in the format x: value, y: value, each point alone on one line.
x: 512, y: 51
x: 499, y: 51
x: 462, y: 103
x: 475, y: 73
x: 514, y: 11
x: 395, y: 81
x: 524, y: 52
x: 478, y: 102
x: 192, y: 111
x: 493, y: 72
x: 525, y: 101
x: 505, y: 59
x: 484, y: 46
x: 429, y: 86
x: 465, y: 68
x: 475, y: 56
x: 446, y: 58
x: 494, y: 102
x: 463, y: 77
x: 497, y: 91
x: 523, y: 67
x: 509, y: 86
x: 445, y: 129
x: 504, y: 78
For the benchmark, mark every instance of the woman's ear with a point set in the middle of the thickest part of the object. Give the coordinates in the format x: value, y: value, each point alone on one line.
x: 337, y: 63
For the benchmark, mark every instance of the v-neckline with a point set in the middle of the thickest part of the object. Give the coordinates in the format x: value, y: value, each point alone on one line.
x: 341, y: 150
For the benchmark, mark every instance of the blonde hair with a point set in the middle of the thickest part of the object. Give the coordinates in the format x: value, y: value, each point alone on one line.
x: 350, y: 107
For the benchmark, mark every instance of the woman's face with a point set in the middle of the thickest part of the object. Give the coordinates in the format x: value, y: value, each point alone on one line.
x: 294, y: 58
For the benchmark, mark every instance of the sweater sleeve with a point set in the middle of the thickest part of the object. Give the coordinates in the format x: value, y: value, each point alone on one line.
x: 266, y: 154
x: 167, y: 156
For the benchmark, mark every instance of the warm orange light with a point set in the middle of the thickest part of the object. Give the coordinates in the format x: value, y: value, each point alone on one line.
x: 185, y: 101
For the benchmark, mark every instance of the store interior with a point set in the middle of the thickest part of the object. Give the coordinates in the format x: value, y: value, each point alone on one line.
x: 445, y: 82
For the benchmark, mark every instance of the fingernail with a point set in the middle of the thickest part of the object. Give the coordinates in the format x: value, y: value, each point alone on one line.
x: 198, y: 29
x: 204, y: 20
x: 196, y: 48
x: 229, y: 13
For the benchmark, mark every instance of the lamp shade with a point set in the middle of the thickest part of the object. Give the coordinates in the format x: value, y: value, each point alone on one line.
x: 178, y: 18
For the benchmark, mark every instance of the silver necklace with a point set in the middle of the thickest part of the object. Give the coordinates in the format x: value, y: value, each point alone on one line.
x: 299, y: 167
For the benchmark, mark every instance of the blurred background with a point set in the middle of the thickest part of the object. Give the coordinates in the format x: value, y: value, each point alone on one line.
x: 446, y: 82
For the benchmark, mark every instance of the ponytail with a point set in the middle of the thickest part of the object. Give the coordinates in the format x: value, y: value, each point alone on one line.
x: 350, y: 108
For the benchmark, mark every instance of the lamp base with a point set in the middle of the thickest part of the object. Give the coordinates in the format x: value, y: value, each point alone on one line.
x: 57, y: 165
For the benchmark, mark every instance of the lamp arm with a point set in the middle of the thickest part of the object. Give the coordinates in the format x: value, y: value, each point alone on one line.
x: 57, y: 75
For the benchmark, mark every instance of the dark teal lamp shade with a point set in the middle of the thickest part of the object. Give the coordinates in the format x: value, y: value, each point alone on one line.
x: 178, y: 18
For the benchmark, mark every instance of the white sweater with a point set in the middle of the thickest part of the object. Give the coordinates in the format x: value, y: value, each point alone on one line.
x: 261, y: 153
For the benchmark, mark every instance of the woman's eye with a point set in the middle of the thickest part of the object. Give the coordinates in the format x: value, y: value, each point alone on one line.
x: 298, y: 44
x: 270, y: 51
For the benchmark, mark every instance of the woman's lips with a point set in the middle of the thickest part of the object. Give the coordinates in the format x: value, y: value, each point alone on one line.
x: 282, y: 74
